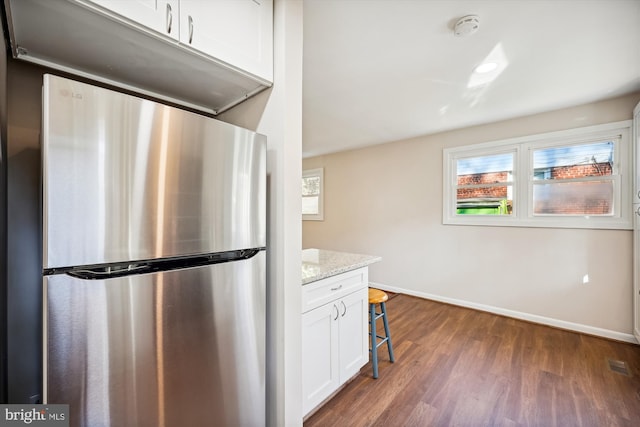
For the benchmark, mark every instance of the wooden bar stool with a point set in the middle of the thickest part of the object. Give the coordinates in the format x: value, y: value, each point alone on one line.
x: 377, y: 296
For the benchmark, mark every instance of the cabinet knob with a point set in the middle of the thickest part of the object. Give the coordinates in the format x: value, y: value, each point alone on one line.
x: 169, y: 18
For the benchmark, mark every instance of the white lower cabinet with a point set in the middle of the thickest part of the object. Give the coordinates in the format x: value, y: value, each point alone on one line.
x: 334, y: 338
x: 319, y: 355
x: 353, y: 334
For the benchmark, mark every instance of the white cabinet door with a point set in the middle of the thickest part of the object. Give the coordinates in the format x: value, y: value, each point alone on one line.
x: 320, y: 372
x: 238, y: 32
x: 354, y: 344
x: 159, y: 15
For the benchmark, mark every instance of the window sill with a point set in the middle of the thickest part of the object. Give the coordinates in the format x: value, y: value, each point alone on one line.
x: 601, y: 223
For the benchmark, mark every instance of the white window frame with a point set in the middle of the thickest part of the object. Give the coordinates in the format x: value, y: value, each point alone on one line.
x: 320, y: 215
x: 523, y: 147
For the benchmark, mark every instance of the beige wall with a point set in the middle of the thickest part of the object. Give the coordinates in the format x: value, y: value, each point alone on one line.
x: 387, y: 200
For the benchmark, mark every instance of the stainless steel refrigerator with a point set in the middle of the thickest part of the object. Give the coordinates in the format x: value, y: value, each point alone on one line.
x: 154, y: 262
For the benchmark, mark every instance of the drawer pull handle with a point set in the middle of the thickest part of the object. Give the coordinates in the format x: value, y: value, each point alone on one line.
x: 337, y: 312
x: 345, y: 308
x: 336, y: 289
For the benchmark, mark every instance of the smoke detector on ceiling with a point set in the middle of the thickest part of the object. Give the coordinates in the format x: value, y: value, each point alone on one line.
x: 466, y: 25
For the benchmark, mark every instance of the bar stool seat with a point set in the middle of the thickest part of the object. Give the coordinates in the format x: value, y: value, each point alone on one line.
x: 378, y: 297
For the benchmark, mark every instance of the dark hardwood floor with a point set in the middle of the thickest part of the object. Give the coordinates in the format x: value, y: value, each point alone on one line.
x: 461, y: 367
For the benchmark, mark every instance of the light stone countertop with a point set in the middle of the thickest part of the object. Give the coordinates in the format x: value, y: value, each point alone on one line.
x: 320, y: 263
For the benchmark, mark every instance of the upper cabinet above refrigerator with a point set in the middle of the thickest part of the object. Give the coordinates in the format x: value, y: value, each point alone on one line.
x: 158, y: 15
x: 206, y: 55
x: 212, y: 27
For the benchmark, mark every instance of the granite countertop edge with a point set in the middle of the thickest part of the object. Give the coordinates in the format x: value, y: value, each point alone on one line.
x: 330, y: 263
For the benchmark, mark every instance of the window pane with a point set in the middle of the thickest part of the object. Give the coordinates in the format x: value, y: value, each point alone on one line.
x: 574, y: 198
x: 477, y: 192
x: 310, y: 205
x: 311, y: 186
x: 573, y: 161
x: 485, y: 169
x: 493, y: 200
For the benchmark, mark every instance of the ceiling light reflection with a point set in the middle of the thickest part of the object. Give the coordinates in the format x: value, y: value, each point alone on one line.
x: 486, y: 67
x: 490, y: 68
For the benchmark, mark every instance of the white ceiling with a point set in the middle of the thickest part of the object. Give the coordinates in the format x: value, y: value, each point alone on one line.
x: 384, y: 70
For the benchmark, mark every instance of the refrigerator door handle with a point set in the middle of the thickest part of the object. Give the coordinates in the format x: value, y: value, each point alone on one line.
x: 110, y: 271
x: 93, y: 272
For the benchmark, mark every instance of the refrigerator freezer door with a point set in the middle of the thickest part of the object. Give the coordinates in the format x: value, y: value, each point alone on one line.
x: 131, y: 179
x: 178, y: 348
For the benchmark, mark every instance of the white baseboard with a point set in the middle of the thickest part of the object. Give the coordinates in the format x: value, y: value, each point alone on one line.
x: 562, y: 324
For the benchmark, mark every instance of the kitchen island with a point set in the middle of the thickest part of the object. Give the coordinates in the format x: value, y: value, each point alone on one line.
x: 319, y: 264
x: 335, y: 333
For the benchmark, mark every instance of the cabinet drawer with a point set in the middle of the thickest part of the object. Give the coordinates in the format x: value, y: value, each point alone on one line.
x: 326, y: 290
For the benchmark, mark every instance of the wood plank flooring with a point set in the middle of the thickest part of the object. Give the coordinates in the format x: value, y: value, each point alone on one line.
x: 460, y: 367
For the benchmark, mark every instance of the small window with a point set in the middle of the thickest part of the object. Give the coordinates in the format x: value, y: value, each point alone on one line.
x: 485, y: 185
x: 578, y: 178
x: 574, y: 179
x: 312, y: 194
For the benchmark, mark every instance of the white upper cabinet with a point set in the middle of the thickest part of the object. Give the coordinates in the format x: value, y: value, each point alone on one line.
x: 238, y: 32
x: 207, y: 55
x: 159, y: 15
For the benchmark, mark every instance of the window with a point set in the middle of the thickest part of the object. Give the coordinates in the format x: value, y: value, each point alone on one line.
x: 312, y: 194
x: 578, y: 178
x: 485, y: 185
x: 574, y: 179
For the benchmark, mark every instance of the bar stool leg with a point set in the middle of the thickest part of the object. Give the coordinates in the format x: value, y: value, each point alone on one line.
x: 383, y: 307
x: 373, y: 333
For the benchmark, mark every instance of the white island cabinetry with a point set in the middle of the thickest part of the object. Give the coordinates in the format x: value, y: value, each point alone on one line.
x: 335, y: 341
